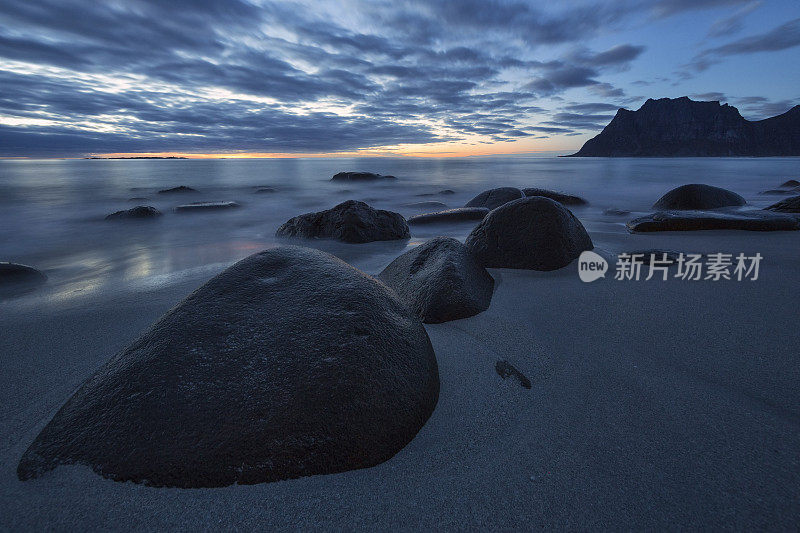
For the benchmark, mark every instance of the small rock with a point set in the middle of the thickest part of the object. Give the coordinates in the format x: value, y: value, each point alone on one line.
x: 138, y: 212
x: 789, y: 205
x: 205, y: 206
x: 440, y: 281
x: 264, y: 190
x: 756, y: 220
x: 459, y: 214
x: 180, y: 189
x: 360, y: 176
x: 657, y: 254
x: 532, y: 233
x: 565, y: 199
x: 423, y: 205
x: 494, y: 198
x: 350, y: 221
x: 613, y: 211
x: 505, y: 369
x: 697, y: 197
x: 17, y: 279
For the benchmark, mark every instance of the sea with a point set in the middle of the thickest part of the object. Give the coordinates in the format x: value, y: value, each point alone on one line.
x: 52, y: 212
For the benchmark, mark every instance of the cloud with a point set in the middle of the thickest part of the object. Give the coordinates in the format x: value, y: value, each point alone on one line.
x: 618, y: 56
x: 781, y: 38
x: 732, y: 24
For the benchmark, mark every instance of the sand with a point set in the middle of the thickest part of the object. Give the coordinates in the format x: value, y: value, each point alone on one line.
x: 654, y: 405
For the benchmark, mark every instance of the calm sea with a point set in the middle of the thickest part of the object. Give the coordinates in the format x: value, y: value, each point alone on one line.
x: 52, y: 211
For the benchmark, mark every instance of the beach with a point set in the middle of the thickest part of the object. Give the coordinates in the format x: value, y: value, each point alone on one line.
x: 654, y: 405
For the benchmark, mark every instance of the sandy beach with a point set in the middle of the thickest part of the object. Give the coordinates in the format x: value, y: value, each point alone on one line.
x: 654, y: 405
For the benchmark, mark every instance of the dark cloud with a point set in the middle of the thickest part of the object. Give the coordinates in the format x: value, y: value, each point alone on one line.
x: 618, y: 56
x: 783, y: 37
x: 667, y: 8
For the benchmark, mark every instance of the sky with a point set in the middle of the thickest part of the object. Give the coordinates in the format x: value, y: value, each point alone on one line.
x: 261, y: 78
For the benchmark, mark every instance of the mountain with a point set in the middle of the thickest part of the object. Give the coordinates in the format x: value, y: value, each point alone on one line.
x: 681, y: 127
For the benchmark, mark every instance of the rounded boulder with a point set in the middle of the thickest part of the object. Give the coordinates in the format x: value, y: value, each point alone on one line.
x: 494, y: 198
x: 533, y: 233
x: 697, y: 196
x: 290, y: 363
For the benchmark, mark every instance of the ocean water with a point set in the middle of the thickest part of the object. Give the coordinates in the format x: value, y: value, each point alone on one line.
x: 52, y: 211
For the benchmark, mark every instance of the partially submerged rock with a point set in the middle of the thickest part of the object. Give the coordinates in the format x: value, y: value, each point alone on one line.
x: 789, y: 205
x: 613, y: 211
x: 756, y: 220
x: 459, y: 214
x: 350, y: 221
x: 205, y: 206
x: 425, y: 205
x: 360, y: 176
x: 697, y: 196
x: 290, y: 363
x: 790, y: 184
x: 17, y: 279
x: 532, y: 233
x: 179, y: 189
x: 494, y: 198
x: 565, y: 199
x: 264, y: 190
x: 440, y: 281
x: 138, y: 212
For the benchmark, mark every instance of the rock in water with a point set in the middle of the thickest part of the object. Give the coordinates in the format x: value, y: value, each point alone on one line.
x: 16, y: 279
x: 440, y: 281
x: 789, y: 205
x: 755, y: 220
x: 790, y: 184
x: 533, y: 233
x: 350, y: 221
x: 697, y: 196
x: 495, y: 197
x: 290, y: 363
x: 459, y: 214
x: 205, y: 206
x: 360, y: 176
x: 179, y: 189
x: 140, y: 211
x: 565, y: 199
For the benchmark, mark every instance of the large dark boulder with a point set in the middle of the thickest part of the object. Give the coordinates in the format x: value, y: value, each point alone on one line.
x: 138, y: 212
x: 533, y: 233
x: 350, y: 221
x: 697, y: 196
x: 755, y: 220
x: 360, y: 176
x: 290, y: 363
x: 177, y: 190
x: 205, y: 206
x: 16, y: 279
x: 789, y: 205
x: 459, y: 214
x: 440, y: 281
x: 495, y: 197
x: 565, y: 199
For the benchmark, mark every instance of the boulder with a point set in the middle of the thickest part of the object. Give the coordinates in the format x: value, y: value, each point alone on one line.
x: 180, y: 189
x: 790, y: 184
x: 290, y: 363
x: 16, y: 279
x: 459, y: 214
x: 495, y: 197
x: 360, y: 176
x: 532, y: 233
x: 756, y: 220
x: 697, y: 196
x: 616, y: 212
x: 140, y: 211
x: 565, y: 199
x: 205, y: 206
x: 440, y: 281
x: 789, y: 205
x: 350, y: 221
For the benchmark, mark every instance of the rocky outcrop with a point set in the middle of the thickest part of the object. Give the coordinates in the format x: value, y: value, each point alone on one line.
x: 755, y: 220
x: 289, y: 363
x: 440, y: 281
x: 459, y: 214
x: 350, y: 221
x: 177, y: 190
x: 681, y: 127
x: 138, y: 212
x: 360, y: 176
x: 697, y: 196
x: 533, y: 233
x: 205, y: 206
x: 495, y: 197
x: 789, y: 205
x: 565, y: 199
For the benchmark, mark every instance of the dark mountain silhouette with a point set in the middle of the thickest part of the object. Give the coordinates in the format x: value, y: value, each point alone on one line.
x: 681, y: 127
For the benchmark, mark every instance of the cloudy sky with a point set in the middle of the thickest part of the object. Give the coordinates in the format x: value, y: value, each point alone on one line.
x: 373, y: 77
